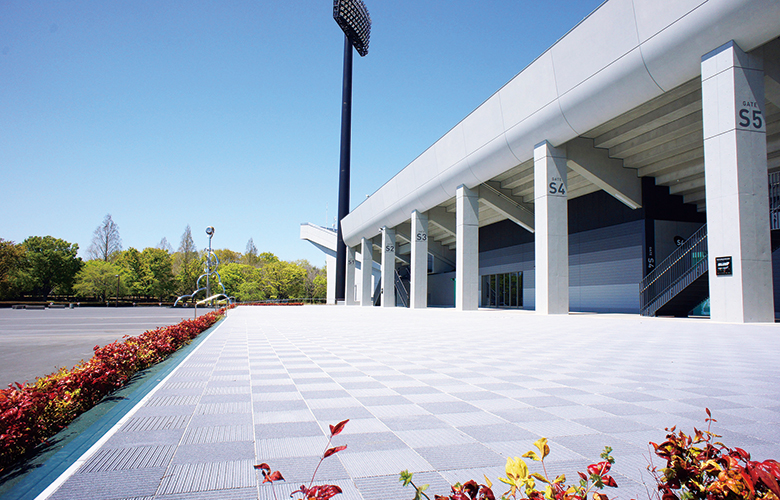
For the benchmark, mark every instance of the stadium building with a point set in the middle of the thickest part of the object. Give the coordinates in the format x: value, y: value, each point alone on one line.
x: 633, y: 167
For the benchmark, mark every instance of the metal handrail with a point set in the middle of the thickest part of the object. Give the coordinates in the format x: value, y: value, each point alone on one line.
x: 403, y: 293
x: 688, y: 257
x: 774, y: 200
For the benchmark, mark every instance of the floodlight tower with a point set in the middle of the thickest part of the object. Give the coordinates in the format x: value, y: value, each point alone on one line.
x: 352, y: 16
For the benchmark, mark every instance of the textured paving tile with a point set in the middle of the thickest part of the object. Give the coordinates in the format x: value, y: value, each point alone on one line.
x: 268, y: 383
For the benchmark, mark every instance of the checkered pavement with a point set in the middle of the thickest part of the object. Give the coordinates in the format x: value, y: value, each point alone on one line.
x: 447, y: 395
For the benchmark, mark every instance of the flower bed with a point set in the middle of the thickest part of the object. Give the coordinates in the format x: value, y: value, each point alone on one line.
x: 31, y: 413
x: 270, y: 303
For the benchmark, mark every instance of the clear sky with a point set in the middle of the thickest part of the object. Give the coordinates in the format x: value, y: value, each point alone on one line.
x: 227, y: 113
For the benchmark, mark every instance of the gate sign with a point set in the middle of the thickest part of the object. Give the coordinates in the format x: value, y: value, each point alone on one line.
x: 749, y: 106
x: 723, y: 266
x: 556, y: 186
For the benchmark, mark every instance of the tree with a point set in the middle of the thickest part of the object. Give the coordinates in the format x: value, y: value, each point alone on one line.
x: 186, y: 264
x: 105, y: 240
x: 98, y: 278
x: 227, y: 256
x: 282, y: 280
x: 158, y: 273
x: 11, y: 256
x: 131, y: 265
x: 49, y: 263
x: 250, y: 254
x: 164, y: 245
x: 320, y: 286
x: 251, y: 291
x: 234, y: 275
x: 266, y: 258
x: 309, y: 281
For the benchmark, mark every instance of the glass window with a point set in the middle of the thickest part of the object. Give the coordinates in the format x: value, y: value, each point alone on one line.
x: 502, y: 290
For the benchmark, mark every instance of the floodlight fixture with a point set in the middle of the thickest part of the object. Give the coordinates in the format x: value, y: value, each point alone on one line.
x: 353, y: 18
x: 210, y: 230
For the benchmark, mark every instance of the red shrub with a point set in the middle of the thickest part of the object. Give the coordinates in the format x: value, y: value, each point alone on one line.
x: 29, y: 414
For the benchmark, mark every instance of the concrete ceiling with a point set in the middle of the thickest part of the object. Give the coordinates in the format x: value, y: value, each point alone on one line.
x: 662, y: 138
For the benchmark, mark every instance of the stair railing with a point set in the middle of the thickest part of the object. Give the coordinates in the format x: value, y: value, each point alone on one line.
x: 774, y: 200
x: 659, y: 286
x: 403, y: 293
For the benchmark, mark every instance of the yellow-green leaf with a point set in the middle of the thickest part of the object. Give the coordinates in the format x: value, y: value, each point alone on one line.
x: 516, y: 468
x: 487, y: 482
x: 532, y: 455
x: 541, y: 444
x: 540, y: 477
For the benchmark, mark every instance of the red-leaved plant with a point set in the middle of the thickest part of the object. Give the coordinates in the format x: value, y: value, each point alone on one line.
x: 522, y: 483
x: 31, y: 413
x: 700, y: 468
x: 311, y: 492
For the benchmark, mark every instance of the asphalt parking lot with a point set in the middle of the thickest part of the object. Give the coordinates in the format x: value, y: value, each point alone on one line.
x: 34, y: 343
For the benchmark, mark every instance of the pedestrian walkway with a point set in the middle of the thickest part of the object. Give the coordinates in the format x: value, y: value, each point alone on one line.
x: 446, y: 394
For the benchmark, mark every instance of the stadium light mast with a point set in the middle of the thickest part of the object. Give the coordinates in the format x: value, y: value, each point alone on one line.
x: 352, y: 16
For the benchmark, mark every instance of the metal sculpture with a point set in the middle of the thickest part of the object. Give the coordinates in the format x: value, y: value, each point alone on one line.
x: 211, y: 259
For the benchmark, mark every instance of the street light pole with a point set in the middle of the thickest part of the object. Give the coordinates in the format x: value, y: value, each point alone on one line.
x: 352, y: 16
x: 117, y: 290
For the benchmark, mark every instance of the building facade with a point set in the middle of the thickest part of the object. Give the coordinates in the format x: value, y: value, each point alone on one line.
x: 626, y: 169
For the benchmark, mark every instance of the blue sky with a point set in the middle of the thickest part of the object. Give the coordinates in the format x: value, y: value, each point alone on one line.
x: 227, y: 113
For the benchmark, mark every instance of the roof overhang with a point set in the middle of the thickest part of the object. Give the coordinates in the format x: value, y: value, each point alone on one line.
x: 625, y: 54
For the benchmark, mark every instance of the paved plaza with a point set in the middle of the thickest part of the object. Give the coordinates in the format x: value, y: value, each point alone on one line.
x: 446, y: 394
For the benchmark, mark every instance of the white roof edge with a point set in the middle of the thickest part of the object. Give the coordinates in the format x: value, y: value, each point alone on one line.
x: 623, y: 54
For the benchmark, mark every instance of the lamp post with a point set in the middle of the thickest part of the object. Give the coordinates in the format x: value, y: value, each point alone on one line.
x: 210, y: 232
x: 352, y: 16
x: 117, y: 290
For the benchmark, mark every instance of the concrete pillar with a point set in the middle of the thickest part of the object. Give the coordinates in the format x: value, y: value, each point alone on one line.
x: 330, y: 263
x: 419, y: 293
x: 467, y: 251
x: 349, y: 291
x: 366, y: 269
x: 551, y: 236
x: 736, y: 183
x: 388, y: 267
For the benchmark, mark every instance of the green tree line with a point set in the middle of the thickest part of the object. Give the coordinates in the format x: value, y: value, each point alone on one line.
x: 41, y: 267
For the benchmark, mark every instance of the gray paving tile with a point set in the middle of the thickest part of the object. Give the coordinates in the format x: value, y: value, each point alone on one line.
x: 218, y: 434
x: 208, y: 476
x: 498, y: 432
x: 285, y: 447
x: 336, y: 415
x: 383, y: 463
x: 437, y: 406
x: 111, y: 485
x: 460, y: 456
x: 283, y: 405
x: 299, y: 470
x: 389, y: 488
x: 613, y: 424
x: 214, y: 420
x: 140, y: 457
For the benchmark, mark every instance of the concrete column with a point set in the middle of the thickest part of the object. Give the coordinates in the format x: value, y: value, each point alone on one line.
x: 349, y: 291
x: 366, y: 269
x: 467, y: 251
x: 736, y: 182
x: 551, y: 238
x: 419, y: 293
x: 330, y: 262
x: 388, y: 267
